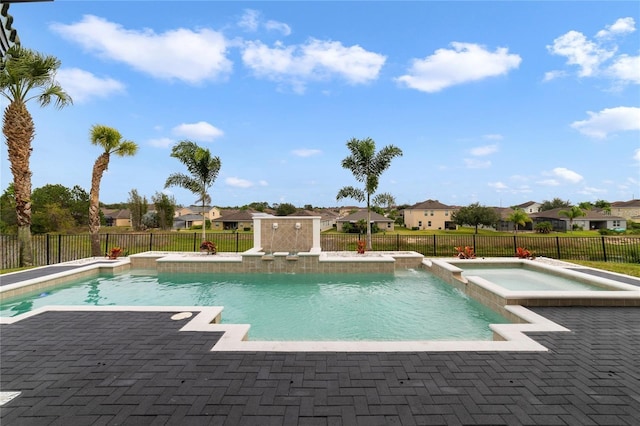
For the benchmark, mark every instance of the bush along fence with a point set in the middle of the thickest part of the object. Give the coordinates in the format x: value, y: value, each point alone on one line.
x: 50, y: 249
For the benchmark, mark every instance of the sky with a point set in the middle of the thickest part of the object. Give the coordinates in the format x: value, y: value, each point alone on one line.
x: 498, y: 102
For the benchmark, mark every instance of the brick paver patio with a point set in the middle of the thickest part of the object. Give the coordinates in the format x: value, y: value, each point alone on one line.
x: 136, y: 368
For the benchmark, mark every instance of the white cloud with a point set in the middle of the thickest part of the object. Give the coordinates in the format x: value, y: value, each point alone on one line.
x: 548, y: 182
x: 588, y: 190
x: 82, y: 85
x: 161, y: 142
x: 314, y: 60
x: 201, y: 130
x: 281, y: 27
x: 472, y: 163
x: 610, y: 120
x: 625, y: 68
x: 621, y: 26
x: 306, y: 152
x: 636, y: 155
x: 238, y: 183
x: 566, y: 174
x: 249, y: 20
x: 580, y: 51
x: 484, y: 150
x: 598, y: 57
x: 552, y: 75
x: 498, y: 185
x: 180, y: 54
x: 463, y: 63
x: 263, y: 183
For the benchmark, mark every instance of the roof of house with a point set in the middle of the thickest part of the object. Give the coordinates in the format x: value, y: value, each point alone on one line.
x: 527, y: 204
x: 238, y: 216
x: 631, y: 203
x: 430, y: 205
x: 362, y: 215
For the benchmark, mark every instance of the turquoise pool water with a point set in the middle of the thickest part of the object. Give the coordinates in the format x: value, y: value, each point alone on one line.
x: 524, y: 279
x: 409, y: 305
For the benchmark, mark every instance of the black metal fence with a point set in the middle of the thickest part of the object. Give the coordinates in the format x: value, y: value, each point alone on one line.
x: 50, y: 249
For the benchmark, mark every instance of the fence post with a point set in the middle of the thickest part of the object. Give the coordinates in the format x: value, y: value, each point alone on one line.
x: 59, y: 248
x: 397, y: 242
x: 604, y: 250
x: 558, y: 246
x: 48, y: 247
x: 151, y: 241
x: 106, y: 244
x: 515, y: 244
x: 435, y: 246
x: 474, y: 243
x: 195, y: 235
x: 237, y: 242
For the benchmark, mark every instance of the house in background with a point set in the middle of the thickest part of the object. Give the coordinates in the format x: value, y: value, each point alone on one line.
x: 429, y: 215
x: 630, y: 210
x: 593, y: 220
x: 238, y: 220
x: 383, y: 223
x: 529, y: 207
x: 117, y: 217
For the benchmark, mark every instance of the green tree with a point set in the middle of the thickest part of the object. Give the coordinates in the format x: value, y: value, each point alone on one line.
x: 604, y: 205
x: 573, y: 213
x: 202, y: 166
x: 111, y: 141
x: 138, y: 207
x: 519, y: 218
x: 285, y: 209
x: 475, y: 215
x: 52, y: 209
x: 165, y: 206
x: 79, y: 206
x: 8, y: 222
x: 26, y: 75
x: 150, y: 220
x: 366, y: 166
x: 556, y: 203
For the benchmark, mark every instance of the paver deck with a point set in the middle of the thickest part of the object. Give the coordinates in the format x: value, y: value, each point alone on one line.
x: 137, y: 368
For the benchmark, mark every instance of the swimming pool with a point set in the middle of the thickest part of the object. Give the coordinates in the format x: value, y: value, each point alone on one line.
x: 407, y: 305
x: 523, y: 279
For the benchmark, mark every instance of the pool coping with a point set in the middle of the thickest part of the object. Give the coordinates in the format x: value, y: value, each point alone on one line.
x: 507, y: 337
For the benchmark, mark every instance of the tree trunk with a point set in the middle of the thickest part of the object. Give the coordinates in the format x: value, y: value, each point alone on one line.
x: 101, y: 164
x: 19, y: 130
x: 369, y: 246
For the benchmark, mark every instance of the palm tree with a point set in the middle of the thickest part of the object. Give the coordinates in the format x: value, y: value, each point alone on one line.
x: 111, y: 141
x: 573, y: 213
x: 366, y: 166
x: 21, y: 72
x: 519, y: 218
x: 204, y: 169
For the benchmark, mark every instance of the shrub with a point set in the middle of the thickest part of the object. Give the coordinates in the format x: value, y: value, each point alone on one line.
x: 465, y: 252
x: 543, y: 227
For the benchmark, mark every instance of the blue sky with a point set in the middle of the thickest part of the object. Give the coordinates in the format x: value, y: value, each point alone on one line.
x: 491, y: 102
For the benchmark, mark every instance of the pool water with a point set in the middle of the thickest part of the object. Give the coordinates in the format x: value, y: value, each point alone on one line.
x: 524, y: 279
x: 408, y: 305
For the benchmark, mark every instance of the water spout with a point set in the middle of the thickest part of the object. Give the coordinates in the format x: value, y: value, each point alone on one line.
x: 274, y: 227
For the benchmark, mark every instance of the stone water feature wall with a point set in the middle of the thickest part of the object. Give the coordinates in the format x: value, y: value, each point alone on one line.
x: 294, y: 234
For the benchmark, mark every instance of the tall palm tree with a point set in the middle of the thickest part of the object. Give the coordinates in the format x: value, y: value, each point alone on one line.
x: 111, y: 141
x: 573, y: 213
x: 367, y: 166
x: 26, y: 75
x: 202, y: 166
x: 519, y: 218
